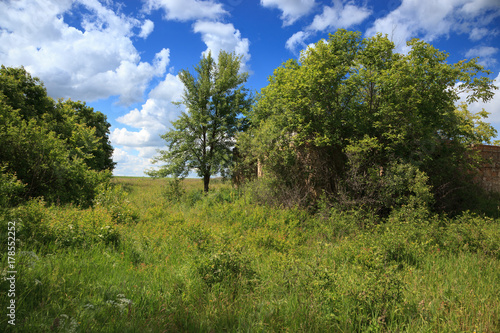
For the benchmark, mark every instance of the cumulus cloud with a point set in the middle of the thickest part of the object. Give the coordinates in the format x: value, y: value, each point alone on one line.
x: 185, y: 10
x: 297, y: 40
x: 291, y: 10
x: 430, y: 19
x: 223, y: 36
x: 332, y: 18
x: 216, y: 35
x: 94, y: 61
x: 129, y: 164
x: 147, y: 28
x: 151, y: 120
x: 339, y: 16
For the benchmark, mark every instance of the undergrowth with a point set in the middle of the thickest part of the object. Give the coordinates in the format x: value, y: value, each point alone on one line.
x: 161, y: 256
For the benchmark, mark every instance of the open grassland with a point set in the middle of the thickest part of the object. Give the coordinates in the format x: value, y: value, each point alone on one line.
x: 159, y: 256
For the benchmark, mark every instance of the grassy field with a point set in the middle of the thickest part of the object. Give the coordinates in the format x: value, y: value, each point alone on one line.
x: 159, y: 256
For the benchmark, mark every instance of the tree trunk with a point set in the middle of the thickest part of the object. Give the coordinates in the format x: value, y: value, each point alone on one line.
x: 206, y: 182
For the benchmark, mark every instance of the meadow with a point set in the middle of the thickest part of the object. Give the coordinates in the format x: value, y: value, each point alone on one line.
x: 155, y: 255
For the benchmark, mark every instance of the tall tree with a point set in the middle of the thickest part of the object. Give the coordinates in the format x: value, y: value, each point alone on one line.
x: 202, y: 137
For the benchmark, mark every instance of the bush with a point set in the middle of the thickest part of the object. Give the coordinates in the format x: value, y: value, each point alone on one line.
x: 173, y: 191
x: 43, y: 226
x: 113, y: 198
x: 469, y: 233
x: 61, y: 151
x: 369, y: 185
x: 11, y: 188
x: 226, y: 267
x: 275, y: 192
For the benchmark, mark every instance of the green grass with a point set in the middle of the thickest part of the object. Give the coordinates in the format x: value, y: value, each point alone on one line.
x: 177, y: 260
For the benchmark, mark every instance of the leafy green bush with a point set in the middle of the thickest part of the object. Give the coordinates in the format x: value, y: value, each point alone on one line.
x: 469, y: 233
x: 61, y: 151
x: 275, y: 192
x: 173, y: 191
x: 226, y: 267
x: 192, y: 197
x: 372, y: 186
x: 368, y: 126
x: 10, y: 188
x: 113, y: 198
x: 42, y: 226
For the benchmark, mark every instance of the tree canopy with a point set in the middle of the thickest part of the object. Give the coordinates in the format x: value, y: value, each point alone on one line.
x: 202, y: 138
x: 353, y: 105
x: 58, y: 150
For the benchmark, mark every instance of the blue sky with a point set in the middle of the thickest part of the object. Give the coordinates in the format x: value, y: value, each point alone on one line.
x: 122, y: 57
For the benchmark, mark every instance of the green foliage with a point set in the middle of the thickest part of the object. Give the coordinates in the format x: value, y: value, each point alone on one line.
x: 351, y: 96
x: 368, y: 186
x: 225, y: 267
x: 473, y: 130
x: 60, y: 151
x: 202, y: 137
x: 87, y: 131
x: 11, y: 188
x: 113, y: 198
x: 43, y: 227
x: 275, y: 191
x: 173, y: 190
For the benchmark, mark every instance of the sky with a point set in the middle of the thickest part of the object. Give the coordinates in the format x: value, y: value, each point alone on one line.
x: 122, y: 57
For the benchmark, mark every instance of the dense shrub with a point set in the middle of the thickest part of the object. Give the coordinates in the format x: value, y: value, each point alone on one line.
x: 173, y: 191
x: 368, y: 126
x: 113, y: 198
x: 42, y: 227
x: 11, y: 188
x: 226, y: 267
x: 59, y: 150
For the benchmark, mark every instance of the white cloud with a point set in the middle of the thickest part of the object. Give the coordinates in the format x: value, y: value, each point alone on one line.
x: 485, y: 54
x: 129, y: 164
x: 223, y: 36
x: 147, y: 28
x: 476, y: 7
x: 185, y: 10
x: 297, y: 40
x: 122, y: 136
x: 95, y: 62
x: 478, y: 33
x: 430, y: 19
x: 332, y: 18
x: 339, y: 16
x: 484, y: 51
x: 291, y: 10
x: 152, y: 120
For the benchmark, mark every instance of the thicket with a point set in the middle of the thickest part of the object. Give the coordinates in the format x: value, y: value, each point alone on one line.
x: 58, y: 150
x: 361, y: 126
